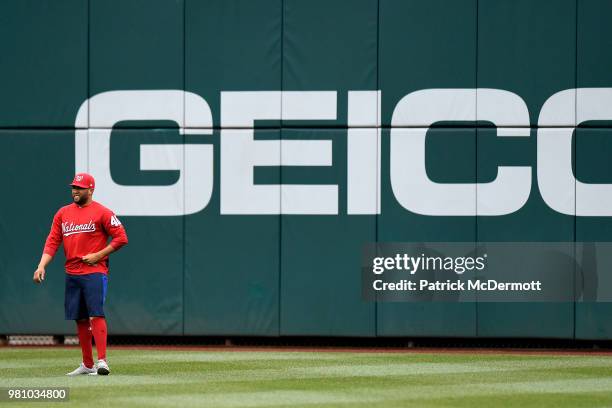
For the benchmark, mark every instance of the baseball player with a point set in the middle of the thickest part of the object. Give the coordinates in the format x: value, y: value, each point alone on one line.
x: 84, y: 227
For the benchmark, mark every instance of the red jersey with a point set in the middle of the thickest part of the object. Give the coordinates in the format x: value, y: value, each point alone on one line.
x: 84, y: 230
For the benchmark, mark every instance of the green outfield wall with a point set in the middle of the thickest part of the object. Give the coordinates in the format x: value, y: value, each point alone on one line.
x: 251, y: 148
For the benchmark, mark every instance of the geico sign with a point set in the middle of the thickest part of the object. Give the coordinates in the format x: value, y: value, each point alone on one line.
x: 241, y: 153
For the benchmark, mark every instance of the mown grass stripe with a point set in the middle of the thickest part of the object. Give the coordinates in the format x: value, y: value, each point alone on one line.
x: 252, y: 379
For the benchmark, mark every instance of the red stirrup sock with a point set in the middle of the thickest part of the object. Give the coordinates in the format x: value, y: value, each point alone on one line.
x: 84, y: 332
x: 98, y: 327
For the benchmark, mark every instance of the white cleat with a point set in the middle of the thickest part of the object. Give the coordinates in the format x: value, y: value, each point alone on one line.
x: 103, y: 368
x: 80, y: 370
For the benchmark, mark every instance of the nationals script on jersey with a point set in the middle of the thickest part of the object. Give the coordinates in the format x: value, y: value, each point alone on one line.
x: 84, y: 230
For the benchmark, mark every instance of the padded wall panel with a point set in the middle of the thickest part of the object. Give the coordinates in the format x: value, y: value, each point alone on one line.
x: 593, y: 149
x: 450, y: 157
x: 146, y: 277
x: 41, y: 165
x: 323, y: 43
x: 321, y: 254
x: 528, y: 48
x: 535, y: 221
x: 594, y: 44
x: 43, y: 67
x: 231, y: 46
x: 232, y: 261
x: 135, y: 45
x: 424, y: 45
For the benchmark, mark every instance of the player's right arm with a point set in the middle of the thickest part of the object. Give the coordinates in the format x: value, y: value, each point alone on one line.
x: 39, y: 273
x: 54, y: 240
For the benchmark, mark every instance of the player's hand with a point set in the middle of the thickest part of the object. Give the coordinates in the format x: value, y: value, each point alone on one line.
x: 39, y: 275
x: 91, y: 259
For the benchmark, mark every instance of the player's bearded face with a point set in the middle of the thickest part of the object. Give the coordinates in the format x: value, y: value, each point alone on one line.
x: 80, y: 195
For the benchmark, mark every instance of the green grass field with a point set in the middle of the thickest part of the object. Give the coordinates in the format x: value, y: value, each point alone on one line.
x: 171, y: 378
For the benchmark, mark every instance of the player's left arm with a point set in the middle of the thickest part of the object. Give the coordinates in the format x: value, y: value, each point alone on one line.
x: 115, y: 229
x: 94, y: 258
